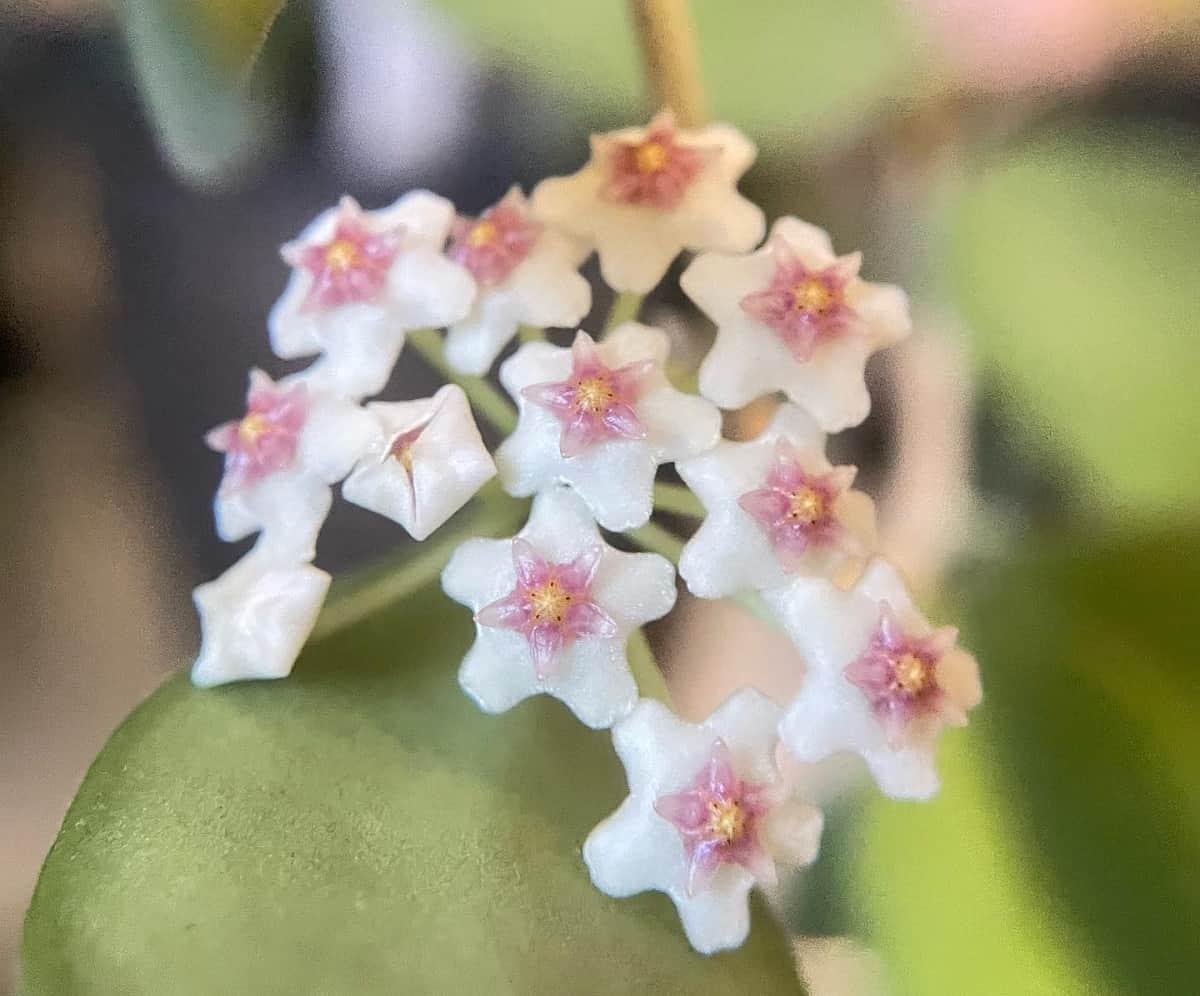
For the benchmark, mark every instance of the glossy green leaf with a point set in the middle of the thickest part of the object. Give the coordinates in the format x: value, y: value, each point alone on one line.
x: 781, y: 68
x: 193, y: 65
x: 1061, y: 856
x: 1073, y: 257
x: 359, y: 828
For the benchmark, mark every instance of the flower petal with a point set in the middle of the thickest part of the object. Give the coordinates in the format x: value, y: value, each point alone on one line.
x: 588, y: 619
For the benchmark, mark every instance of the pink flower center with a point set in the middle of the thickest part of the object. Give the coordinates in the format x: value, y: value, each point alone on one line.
x: 898, y: 673
x: 596, y: 402
x: 551, y: 605
x: 796, y: 509
x: 805, y: 307
x: 655, y: 172
x: 493, y: 245
x: 718, y: 817
x: 351, y: 267
x: 265, y: 440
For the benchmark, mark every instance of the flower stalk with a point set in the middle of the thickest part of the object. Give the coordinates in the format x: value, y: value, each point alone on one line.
x: 484, y: 397
x: 669, y: 57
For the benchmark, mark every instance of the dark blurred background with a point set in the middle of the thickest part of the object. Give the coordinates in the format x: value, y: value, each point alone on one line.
x: 1030, y: 169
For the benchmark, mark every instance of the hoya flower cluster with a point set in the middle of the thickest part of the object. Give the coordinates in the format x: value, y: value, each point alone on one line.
x: 711, y: 812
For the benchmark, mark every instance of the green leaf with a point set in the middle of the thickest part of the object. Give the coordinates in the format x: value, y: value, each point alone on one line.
x: 1073, y: 258
x: 1061, y: 856
x: 193, y: 64
x: 950, y: 899
x: 767, y: 66
x: 358, y: 828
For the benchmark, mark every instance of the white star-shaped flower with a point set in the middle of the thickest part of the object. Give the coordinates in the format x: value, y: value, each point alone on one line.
x: 281, y: 457
x: 708, y: 815
x: 361, y: 280
x: 776, y: 509
x: 554, y: 607
x: 600, y: 417
x: 879, y: 680
x: 796, y: 318
x: 648, y: 193
x: 256, y: 617
x: 425, y: 462
x: 526, y: 274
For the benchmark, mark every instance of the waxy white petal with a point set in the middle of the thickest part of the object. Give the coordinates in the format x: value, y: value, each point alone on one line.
x: 635, y: 849
x: 731, y: 551
x: 614, y: 477
x: 832, y: 629
x: 290, y: 506
x: 360, y: 341
x: 593, y: 676
x: 749, y: 359
x: 256, y: 617
x: 637, y: 243
x: 545, y: 290
x: 447, y: 462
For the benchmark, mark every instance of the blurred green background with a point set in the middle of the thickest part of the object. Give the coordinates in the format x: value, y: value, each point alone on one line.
x: 1029, y: 169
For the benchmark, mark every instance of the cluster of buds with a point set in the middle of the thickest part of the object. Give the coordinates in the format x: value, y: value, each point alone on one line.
x: 712, y: 808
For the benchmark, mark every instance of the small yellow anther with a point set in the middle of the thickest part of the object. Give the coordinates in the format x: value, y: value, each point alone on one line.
x: 910, y: 674
x: 807, y: 506
x: 549, y: 603
x: 726, y: 819
x: 650, y: 157
x: 252, y: 427
x: 482, y: 233
x: 341, y: 255
x: 402, y: 454
x: 594, y: 394
x: 812, y: 295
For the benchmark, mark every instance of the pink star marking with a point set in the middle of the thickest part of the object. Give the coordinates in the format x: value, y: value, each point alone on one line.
x: 805, y: 306
x: 656, y: 171
x: 551, y: 605
x: 898, y: 673
x: 264, y: 441
x: 795, y: 508
x: 719, y: 816
x: 352, y: 266
x: 492, y: 245
x: 596, y: 402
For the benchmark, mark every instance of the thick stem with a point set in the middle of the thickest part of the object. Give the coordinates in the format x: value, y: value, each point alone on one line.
x: 487, y: 400
x: 625, y: 308
x: 531, y: 333
x: 672, y: 68
x: 677, y: 500
x: 646, y: 672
